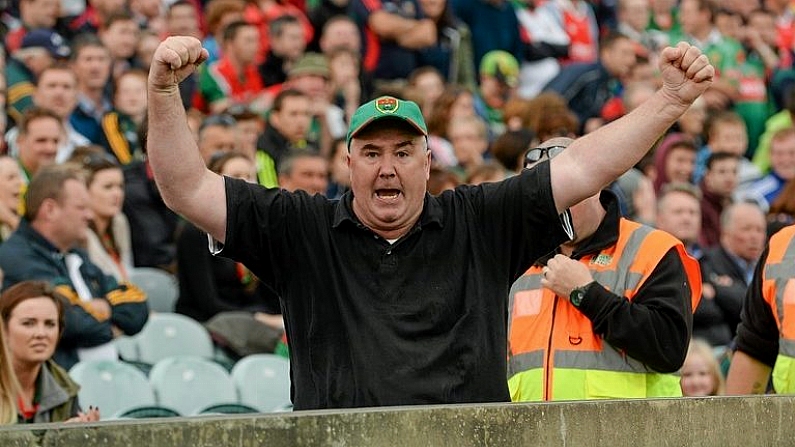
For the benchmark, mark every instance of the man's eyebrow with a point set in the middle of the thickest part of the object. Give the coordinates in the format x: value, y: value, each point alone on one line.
x: 403, y: 144
x: 375, y: 146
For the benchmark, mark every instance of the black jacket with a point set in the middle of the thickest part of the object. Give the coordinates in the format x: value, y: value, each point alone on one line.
x: 716, y: 319
x: 27, y: 255
x: 152, y: 223
x: 654, y: 328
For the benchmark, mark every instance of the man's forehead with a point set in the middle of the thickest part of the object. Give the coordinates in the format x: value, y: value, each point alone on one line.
x: 377, y: 130
x: 556, y: 142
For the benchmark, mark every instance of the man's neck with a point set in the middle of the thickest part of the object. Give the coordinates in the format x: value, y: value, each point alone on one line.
x: 702, y: 35
x: 45, y: 231
x: 94, y: 95
x: 236, y: 63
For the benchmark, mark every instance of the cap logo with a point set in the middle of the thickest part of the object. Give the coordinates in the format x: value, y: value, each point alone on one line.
x: 387, y: 104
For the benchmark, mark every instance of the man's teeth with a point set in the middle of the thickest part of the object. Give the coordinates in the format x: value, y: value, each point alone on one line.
x: 388, y: 195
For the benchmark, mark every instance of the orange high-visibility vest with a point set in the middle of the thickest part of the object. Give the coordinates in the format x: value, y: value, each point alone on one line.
x: 778, y: 290
x: 554, y: 352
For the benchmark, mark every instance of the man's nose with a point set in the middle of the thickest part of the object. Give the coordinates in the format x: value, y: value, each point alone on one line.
x: 387, y: 170
x: 386, y: 167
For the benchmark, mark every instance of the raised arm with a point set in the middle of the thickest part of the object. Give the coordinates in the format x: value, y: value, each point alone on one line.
x: 590, y: 163
x: 187, y: 186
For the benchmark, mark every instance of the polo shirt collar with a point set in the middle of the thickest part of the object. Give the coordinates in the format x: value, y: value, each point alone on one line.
x: 432, y: 212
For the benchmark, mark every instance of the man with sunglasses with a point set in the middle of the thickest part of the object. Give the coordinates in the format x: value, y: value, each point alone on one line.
x: 392, y: 296
x: 607, y: 316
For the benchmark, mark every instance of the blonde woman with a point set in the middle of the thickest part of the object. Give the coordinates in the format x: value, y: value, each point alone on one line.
x: 9, y: 388
x: 701, y: 374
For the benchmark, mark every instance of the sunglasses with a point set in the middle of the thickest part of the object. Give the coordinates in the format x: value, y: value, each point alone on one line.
x: 537, y: 154
x: 223, y: 120
x: 99, y: 160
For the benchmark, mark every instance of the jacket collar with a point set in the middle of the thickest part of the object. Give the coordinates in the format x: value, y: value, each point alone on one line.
x: 53, y: 393
x: 604, y: 236
x: 29, y: 233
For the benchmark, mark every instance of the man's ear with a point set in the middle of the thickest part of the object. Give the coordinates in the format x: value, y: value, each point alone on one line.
x: 428, y: 159
x: 47, y: 208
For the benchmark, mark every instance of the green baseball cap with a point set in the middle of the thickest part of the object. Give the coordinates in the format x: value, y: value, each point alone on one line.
x: 502, y: 66
x: 386, y: 107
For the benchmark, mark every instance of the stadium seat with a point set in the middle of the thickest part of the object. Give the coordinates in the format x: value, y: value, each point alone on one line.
x: 160, y: 286
x: 227, y: 409
x: 190, y: 384
x: 167, y: 335
x: 113, y: 386
x: 263, y: 382
x: 127, y: 347
x: 149, y: 411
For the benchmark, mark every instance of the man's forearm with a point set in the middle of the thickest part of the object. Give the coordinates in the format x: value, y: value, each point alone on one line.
x: 171, y: 148
x: 747, y: 375
x: 603, y: 155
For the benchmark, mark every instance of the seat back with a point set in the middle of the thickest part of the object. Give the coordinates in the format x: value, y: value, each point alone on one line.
x: 127, y: 347
x: 263, y: 381
x: 160, y: 286
x: 167, y: 335
x: 228, y: 409
x: 190, y: 384
x: 111, y: 385
x: 146, y: 412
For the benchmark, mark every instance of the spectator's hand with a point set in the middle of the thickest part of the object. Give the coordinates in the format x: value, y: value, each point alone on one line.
x: 100, y: 306
x: 644, y: 201
x: 174, y: 60
x: 274, y: 321
x: 92, y: 415
x: 686, y: 72
x: 592, y: 124
x: 563, y: 274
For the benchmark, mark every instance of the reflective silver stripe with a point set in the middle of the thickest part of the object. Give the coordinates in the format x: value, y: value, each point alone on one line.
x: 612, y: 280
x: 786, y: 347
x: 620, y: 279
x: 526, y: 282
x: 780, y: 273
x: 525, y: 361
x: 608, y: 359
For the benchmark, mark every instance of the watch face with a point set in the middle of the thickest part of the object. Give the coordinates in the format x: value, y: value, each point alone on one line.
x: 576, y: 296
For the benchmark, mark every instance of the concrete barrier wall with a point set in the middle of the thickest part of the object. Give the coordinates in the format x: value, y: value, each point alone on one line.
x: 719, y: 422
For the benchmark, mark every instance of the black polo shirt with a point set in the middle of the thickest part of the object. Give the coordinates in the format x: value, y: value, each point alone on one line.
x: 420, y: 321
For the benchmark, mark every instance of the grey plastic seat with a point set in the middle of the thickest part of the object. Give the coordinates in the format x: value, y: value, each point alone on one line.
x: 168, y: 334
x: 191, y: 384
x: 263, y: 382
x: 146, y: 412
x: 113, y: 386
x: 160, y: 286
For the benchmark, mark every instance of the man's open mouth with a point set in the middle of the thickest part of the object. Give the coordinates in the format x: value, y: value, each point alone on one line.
x: 387, y: 194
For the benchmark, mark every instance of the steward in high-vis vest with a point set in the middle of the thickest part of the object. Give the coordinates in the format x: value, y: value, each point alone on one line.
x: 609, y: 317
x: 766, y: 335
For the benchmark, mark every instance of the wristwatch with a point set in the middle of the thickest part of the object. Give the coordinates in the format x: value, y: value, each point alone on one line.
x: 578, y: 293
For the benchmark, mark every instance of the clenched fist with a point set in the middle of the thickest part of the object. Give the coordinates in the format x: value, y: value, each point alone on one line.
x: 563, y: 274
x: 686, y: 72
x: 174, y: 60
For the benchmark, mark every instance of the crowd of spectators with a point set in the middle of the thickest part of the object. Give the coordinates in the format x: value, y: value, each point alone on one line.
x: 272, y: 105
